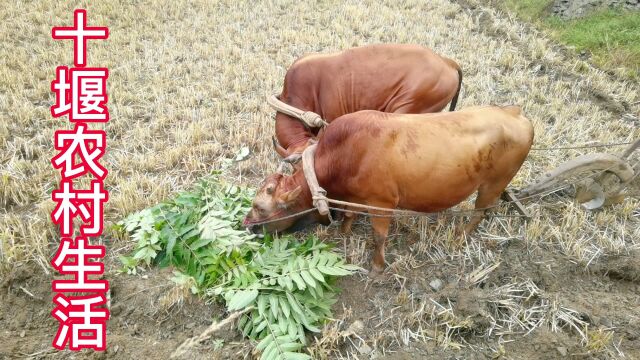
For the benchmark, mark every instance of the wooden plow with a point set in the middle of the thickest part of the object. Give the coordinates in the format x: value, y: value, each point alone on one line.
x: 598, y: 179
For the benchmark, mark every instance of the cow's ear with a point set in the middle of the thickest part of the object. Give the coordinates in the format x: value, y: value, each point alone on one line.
x: 291, y: 196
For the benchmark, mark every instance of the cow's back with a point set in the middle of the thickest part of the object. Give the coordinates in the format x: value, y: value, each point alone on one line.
x: 388, y: 78
x: 439, y: 159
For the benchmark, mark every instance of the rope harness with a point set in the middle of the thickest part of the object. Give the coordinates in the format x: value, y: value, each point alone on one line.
x: 319, y: 196
x: 309, y: 118
x: 321, y: 201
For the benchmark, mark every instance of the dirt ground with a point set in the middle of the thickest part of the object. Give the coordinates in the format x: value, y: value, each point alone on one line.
x: 147, y: 323
x: 188, y: 87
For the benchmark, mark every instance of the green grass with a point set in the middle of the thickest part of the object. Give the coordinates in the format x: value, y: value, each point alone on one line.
x: 612, y: 36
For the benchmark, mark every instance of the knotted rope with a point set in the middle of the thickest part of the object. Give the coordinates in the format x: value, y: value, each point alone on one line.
x: 309, y: 118
x: 318, y: 194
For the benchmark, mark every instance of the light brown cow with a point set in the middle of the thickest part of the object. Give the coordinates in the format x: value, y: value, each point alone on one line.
x: 393, y: 78
x: 423, y: 162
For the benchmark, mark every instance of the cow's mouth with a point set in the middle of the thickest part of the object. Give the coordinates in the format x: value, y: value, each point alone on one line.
x: 269, y: 219
x: 255, y: 229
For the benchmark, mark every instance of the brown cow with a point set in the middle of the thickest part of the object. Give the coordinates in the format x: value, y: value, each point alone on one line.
x: 408, y: 79
x: 422, y: 162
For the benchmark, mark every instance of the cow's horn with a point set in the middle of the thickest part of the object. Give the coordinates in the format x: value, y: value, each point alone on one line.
x: 278, y: 148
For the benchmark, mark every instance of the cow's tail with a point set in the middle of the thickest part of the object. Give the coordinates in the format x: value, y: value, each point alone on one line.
x: 454, y: 101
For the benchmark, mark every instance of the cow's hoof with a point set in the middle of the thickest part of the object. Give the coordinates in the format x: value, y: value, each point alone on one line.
x: 346, y: 232
x: 375, y: 272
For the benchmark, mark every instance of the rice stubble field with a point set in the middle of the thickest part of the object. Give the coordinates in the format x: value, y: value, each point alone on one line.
x: 187, y: 90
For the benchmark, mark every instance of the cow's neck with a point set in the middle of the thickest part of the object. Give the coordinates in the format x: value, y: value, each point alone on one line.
x: 304, y: 199
x: 334, y: 169
x: 291, y: 132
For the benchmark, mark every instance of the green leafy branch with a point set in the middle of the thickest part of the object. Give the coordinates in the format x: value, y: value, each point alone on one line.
x: 284, y: 287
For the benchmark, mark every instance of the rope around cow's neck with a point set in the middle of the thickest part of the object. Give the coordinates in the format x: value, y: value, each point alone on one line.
x: 320, y: 199
x: 393, y: 212
x: 309, y: 118
x: 401, y: 212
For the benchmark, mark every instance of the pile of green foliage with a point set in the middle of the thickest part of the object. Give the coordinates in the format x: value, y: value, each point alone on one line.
x: 286, y: 284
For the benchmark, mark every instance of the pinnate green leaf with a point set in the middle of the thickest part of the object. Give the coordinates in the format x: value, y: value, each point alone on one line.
x: 242, y: 299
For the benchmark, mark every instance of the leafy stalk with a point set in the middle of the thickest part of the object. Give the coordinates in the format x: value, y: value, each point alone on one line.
x: 288, y: 283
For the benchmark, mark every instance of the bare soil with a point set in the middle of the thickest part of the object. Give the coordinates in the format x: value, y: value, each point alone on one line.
x: 143, y: 325
x: 382, y: 318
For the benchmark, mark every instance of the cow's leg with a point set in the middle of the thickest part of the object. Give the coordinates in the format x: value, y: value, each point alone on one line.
x: 347, y: 222
x: 380, y: 232
x: 487, y: 197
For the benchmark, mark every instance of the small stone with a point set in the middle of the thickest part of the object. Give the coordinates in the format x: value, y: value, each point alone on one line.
x: 191, y: 325
x: 562, y: 350
x: 364, y: 349
x: 436, y: 284
x: 115, y: 349
x: 22, y: 333
x: 116, y: 309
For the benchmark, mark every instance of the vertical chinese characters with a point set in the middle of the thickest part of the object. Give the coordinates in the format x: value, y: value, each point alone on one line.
x: 81, y: 94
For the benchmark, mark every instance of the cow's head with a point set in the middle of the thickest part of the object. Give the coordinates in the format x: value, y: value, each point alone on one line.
x: 279, y: 197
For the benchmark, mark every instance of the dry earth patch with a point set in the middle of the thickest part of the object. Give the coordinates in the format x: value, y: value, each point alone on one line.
x: 187, y: 90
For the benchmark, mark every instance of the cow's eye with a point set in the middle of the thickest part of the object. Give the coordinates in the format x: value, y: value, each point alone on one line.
x: 270, y: 189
